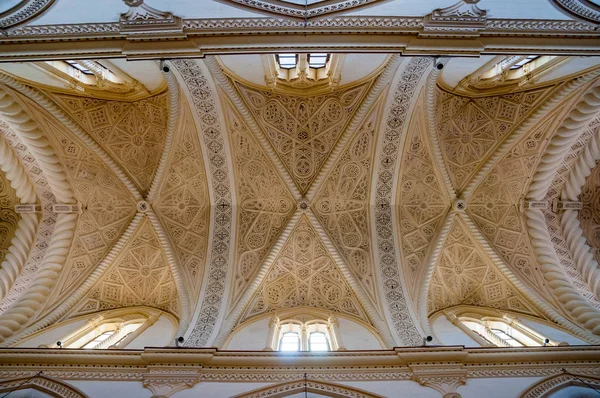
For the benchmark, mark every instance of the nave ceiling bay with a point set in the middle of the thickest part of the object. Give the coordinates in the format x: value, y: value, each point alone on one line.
x: 380, y: 188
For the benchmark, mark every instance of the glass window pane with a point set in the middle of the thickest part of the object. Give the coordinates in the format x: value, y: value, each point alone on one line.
x: 289, y: 342
x: 77, y: 66
x: 523, y: 62
x: 99, y: 339
x: 287, y: 61
x: 317, y: 60
x: 318, y: 342
x: 507, y: 338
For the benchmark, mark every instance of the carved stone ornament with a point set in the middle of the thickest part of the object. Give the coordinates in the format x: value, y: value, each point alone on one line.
x: 463, y: 18
x: 294, y: 9
x: 579, y: 9
x: 144, y: 21
x: 22, y: 12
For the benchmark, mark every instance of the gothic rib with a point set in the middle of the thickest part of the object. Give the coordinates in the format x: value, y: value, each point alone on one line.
x: 558, y: 96
x: 375, y: 90
x: 41, y: 99
x: 22, y: 242
x: 192, y: 78
x: 539, y: 302
x: 174, y: 111
x: 571, y: 227
x: 364, y: 299
x: 408, y: 80
x: 232, y: 93
x: 82, y: 290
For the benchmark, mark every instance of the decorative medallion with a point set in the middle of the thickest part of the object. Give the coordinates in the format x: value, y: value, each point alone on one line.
x: 12, y: 14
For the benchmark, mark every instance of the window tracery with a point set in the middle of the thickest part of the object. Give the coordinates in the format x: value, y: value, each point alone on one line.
x: 301, y: 71
x: 304, y: 333
x: 508, y: 73
x: 498, y: 329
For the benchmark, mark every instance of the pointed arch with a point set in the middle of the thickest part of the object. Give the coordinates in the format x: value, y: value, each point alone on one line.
x: 48, y: 385
x: 555, y: 383
x: 293, y: 387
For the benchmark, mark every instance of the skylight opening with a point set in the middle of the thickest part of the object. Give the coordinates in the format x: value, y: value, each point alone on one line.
x: 317, y: 60
x: 99, y: 339
x: 524, y: 62
x: 80, y: 68
x: 287, y: 61
x: 507, y: 338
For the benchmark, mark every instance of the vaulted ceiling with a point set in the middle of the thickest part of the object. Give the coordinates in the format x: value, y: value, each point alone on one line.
x: 211, y: 190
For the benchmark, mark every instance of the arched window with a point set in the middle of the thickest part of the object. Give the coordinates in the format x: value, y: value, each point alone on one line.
x: 294, y: 335
x: 501, y: 332
x: 290, y: 341
x: 318, y: 342
x: 297, y: 72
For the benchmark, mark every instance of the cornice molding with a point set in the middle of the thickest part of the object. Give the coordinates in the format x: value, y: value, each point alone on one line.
x: 292, y: 10
x: 198, y: 37
x: 212, y: 365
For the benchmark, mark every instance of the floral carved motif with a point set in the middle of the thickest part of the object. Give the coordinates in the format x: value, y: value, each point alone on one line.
x: 132, y: 133
x: 183, y: 202
x: 107, y: 207
x: 342, y: 204
x: 265, y: 204
x: 421, y: 201
x: 139, y: 276
x: 303, y: 130
x: 589, y: 216
x: 494, y: 205
x: 470, y: 129
x: 304, y: 275
x: 464, y: 276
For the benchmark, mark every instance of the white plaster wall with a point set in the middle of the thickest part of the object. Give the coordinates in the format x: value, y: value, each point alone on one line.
x: 357, y: 66
x: 357, y: 337
x: 146, y: 72
x: 458, y: 68
x: 51, y: 336
x: 218, y: 390
x: 248, y: 67
x: 511, y: 387
x: 111, y: 389
x: 577, y: 64
x: 27, y: 393
x: 398, y: 388
x: 575, y: 392
x: 552, y: 333
x: 252, y: 337
x: 160, y: 334
x: 448, y: 334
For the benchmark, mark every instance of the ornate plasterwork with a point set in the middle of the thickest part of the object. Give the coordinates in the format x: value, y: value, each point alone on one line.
x: 589, y: 216
x: 386, y: 255
x: 471, y: 129
x: 107, y: 206
x: 312, y: 386
x: 580, y: 9
x: 294, y: 9
x: 43, y: 383
x: 342, y: 203
x: 303, y: 130
x: 421, y: 201
x: 304, y: 275
x: 265, y: 204
x: 204, y: 106
x: 9, y: 219
x: 183, y: 202
x: 133, y: 133
x: 465, y: 276
x: 495, y: 204
x: 555, y: 383
x: 23, y: 12
x: 140, y: 275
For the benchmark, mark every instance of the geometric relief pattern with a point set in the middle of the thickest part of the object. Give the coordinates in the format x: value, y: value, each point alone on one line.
x: 304, y: 275
x: 107, y: 207
x: 589, y: 216
x: 470, y: 129
x: 264, y: 203
x: 139, y: 276
x: 303, y: 130
x: 342, y: 204
x: 133, y: 133
x: 183, y: 202
x: 463, y: 276
x: 421, y: 201
x: 8, y: 217
x: 494, y: 206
